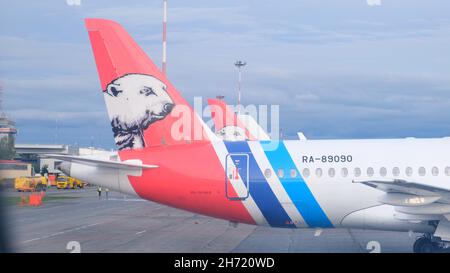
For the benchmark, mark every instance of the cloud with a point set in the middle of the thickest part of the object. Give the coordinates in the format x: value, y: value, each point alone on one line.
x: 151, y: 15
x: 31, y: 56
x: 52, y: 116
x: 73, y: 2
x: 370, y: 107
x: 373, y: 2
x: 60, y: 84
x: 345, y: 71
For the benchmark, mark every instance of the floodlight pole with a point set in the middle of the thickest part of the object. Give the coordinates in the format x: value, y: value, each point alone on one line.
x: 239, y: 65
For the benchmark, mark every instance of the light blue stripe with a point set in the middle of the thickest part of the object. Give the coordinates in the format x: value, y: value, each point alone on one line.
x: 295, y: 187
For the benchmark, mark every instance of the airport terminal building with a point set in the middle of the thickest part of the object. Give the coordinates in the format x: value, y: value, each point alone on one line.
x: 31, y: 153
x: 7, y: 137
x: 25, y: 159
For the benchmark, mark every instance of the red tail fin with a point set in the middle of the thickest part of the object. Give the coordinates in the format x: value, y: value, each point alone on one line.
x: 226, y: 122
x: 141, y: 102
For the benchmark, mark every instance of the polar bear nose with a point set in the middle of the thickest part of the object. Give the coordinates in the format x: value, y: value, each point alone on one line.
x: 168, y: 107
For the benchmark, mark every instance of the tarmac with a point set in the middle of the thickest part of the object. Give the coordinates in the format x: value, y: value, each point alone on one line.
x: 77, y: 220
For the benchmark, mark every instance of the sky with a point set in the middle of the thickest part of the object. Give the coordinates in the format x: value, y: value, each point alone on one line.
x: 337, y: 69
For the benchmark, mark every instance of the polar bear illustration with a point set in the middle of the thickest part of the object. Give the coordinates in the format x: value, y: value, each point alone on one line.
x: 134, y: 102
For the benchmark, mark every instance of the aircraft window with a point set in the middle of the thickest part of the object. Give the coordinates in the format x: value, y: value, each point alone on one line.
x: 409, y: 171
x: 396, y: 171
x: 422, y: 171
x: 318, y: 172
x: 435, y: 171
x: 370, y: 172
x: 344, y: 172
x: 267, y: 173
x: 447, y: 171
x: 331, y: 172
x: 294, y: 173
x: 305, y: 172
x: 383, y: 171
x: 280, y: 173
x: 357, y: 172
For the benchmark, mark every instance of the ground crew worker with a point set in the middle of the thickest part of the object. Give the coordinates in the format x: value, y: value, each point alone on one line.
x: 99, y: 189
x: 106, y: 191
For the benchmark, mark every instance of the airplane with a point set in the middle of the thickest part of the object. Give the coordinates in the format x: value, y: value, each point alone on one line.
x: 233, y: 126
x: 378, y: 184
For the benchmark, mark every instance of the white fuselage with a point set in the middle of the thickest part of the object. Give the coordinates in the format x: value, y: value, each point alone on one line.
x: 343, y: 163
x: 331, y: 170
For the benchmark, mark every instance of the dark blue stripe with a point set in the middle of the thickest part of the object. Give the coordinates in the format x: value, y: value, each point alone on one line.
x: 260, y: 190
x: 296, y: 188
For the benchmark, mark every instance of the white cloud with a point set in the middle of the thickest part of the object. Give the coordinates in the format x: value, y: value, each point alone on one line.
x: 55, y: 83
x: 151, y: 15
x: 335, y: 72
x: 73, y: 2
x: 52, y: 116
x: 25, y: 55
x: 373, y: 2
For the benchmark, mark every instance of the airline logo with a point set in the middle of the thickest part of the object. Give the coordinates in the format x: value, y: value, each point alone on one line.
x: 138, y: 96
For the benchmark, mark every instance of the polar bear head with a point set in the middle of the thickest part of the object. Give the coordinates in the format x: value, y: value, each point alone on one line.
x: 134, y: 102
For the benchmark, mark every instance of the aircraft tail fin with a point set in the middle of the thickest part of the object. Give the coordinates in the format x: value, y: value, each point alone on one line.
x: 141, y: 101
x: 226, y: 123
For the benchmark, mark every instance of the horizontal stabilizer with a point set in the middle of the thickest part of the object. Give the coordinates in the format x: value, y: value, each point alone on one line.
x: 126, y: 165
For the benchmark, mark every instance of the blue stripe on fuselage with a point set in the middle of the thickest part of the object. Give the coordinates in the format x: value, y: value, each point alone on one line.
x: 260, y: 190
x: 296, y: 188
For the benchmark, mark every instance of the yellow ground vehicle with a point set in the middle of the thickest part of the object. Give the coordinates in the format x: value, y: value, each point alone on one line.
x: 63, y: 182
x: 80, y: 184
x: 26, y: 183
x: 67, y: 182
